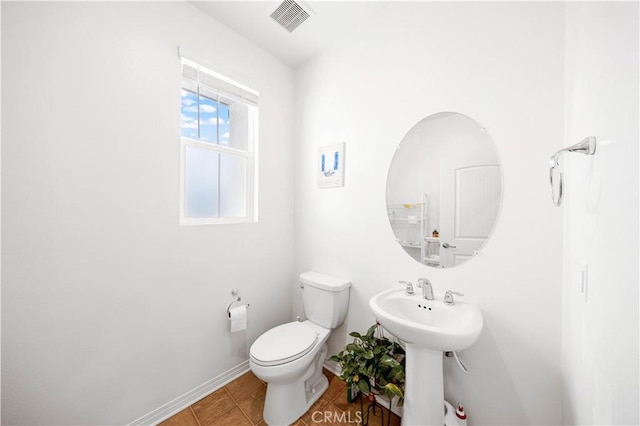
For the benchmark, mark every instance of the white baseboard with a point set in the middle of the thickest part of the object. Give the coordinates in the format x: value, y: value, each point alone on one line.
x: 183, y: 401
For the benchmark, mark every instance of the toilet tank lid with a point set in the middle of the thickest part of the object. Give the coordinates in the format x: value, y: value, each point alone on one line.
x: 324, y: 281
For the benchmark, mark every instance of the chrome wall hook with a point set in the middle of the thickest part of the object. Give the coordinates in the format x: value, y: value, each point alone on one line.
x: 587, y: 146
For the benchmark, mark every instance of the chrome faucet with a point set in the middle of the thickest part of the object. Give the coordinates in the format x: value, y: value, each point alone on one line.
x: 427, y: 289
x: 448, y: 297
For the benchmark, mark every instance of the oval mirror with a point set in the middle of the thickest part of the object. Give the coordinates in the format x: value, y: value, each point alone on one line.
x: 444, y: 190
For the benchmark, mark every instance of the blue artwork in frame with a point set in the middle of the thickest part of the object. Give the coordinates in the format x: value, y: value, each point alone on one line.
x: 331, y: 166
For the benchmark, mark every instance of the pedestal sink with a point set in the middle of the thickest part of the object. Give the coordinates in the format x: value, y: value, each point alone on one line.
x: 429, y: 328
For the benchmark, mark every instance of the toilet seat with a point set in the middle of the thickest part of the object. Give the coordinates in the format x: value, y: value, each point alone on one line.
x: 283, y: 344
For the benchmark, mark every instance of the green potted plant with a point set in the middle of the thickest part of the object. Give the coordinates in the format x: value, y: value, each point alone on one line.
x: 373, y: 363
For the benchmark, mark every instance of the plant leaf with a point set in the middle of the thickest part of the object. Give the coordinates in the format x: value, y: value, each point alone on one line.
x: 363, y: 385
x: 371, y: 331
x: 388, y: 361
x: 352, y: 347
x: 397, y: 373
x: 394, y: 390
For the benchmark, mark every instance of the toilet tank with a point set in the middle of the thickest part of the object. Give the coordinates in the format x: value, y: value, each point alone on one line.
x: 325, y: 298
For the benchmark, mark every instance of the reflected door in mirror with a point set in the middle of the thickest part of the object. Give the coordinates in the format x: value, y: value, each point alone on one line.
x: 470, y: 199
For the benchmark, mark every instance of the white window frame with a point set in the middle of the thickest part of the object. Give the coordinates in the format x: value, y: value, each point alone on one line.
x: 227, y: 88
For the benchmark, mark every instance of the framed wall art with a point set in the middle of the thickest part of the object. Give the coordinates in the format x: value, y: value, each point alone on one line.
x: 331, y: 166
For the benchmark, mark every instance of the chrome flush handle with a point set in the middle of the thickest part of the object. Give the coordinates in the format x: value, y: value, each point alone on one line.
x: 447, y: 245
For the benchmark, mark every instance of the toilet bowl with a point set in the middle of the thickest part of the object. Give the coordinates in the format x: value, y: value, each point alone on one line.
x: 294, y: 380
x: 289, y: 357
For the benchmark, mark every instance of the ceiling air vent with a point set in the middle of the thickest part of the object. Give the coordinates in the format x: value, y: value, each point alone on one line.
x: 290, y: 15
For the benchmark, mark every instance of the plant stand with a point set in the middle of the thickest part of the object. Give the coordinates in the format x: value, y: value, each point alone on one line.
x: 371, y: 408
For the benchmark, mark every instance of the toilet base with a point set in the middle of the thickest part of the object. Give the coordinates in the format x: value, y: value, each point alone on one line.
x: 286, y: 402
x: 283, y: 406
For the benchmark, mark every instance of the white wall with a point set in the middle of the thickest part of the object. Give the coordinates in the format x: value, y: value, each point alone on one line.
x: 502, y: 65
x: 600, y: 334
x: 109, y: 307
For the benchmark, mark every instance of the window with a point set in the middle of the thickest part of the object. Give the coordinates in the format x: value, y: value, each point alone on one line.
x: 218, y: 148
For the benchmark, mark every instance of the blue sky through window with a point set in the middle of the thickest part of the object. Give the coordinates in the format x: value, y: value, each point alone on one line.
x: 189, y: 114
x: 204, y: 118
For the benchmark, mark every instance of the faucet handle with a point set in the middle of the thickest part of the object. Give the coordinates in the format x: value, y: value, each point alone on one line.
x: 408, y: 287
x: 448, y: 297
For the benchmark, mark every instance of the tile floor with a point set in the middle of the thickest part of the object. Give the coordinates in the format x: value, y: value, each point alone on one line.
x: 240, y: 403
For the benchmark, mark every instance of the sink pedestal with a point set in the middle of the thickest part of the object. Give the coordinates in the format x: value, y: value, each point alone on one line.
x: 424, y: 387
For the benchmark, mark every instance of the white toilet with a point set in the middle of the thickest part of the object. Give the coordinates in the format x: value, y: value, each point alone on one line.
x: 289, y: 357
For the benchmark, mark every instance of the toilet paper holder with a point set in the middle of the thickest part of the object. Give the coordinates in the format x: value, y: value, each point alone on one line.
x: 235, y: 293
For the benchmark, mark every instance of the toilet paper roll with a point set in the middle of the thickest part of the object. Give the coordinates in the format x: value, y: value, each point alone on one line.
x: 238, y: 318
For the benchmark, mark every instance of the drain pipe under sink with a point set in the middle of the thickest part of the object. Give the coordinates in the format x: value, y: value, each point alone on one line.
x: 454, y: 354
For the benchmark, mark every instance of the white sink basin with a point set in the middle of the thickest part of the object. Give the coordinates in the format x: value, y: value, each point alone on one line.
x: 429, y: 324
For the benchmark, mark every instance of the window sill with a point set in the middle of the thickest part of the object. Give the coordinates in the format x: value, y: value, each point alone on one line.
x: 216, y: 221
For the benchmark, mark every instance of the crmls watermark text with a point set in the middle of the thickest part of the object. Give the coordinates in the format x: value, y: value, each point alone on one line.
x: 333, y: 417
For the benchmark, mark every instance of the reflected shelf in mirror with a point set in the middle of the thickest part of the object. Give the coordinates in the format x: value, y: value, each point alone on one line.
x: 408, y: 221
x: 409, y: 244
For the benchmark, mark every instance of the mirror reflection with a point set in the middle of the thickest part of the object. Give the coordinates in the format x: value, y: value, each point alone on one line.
x: 444, y: 190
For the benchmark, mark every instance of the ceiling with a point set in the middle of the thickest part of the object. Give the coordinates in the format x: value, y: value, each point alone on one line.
x: 329, y: 24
